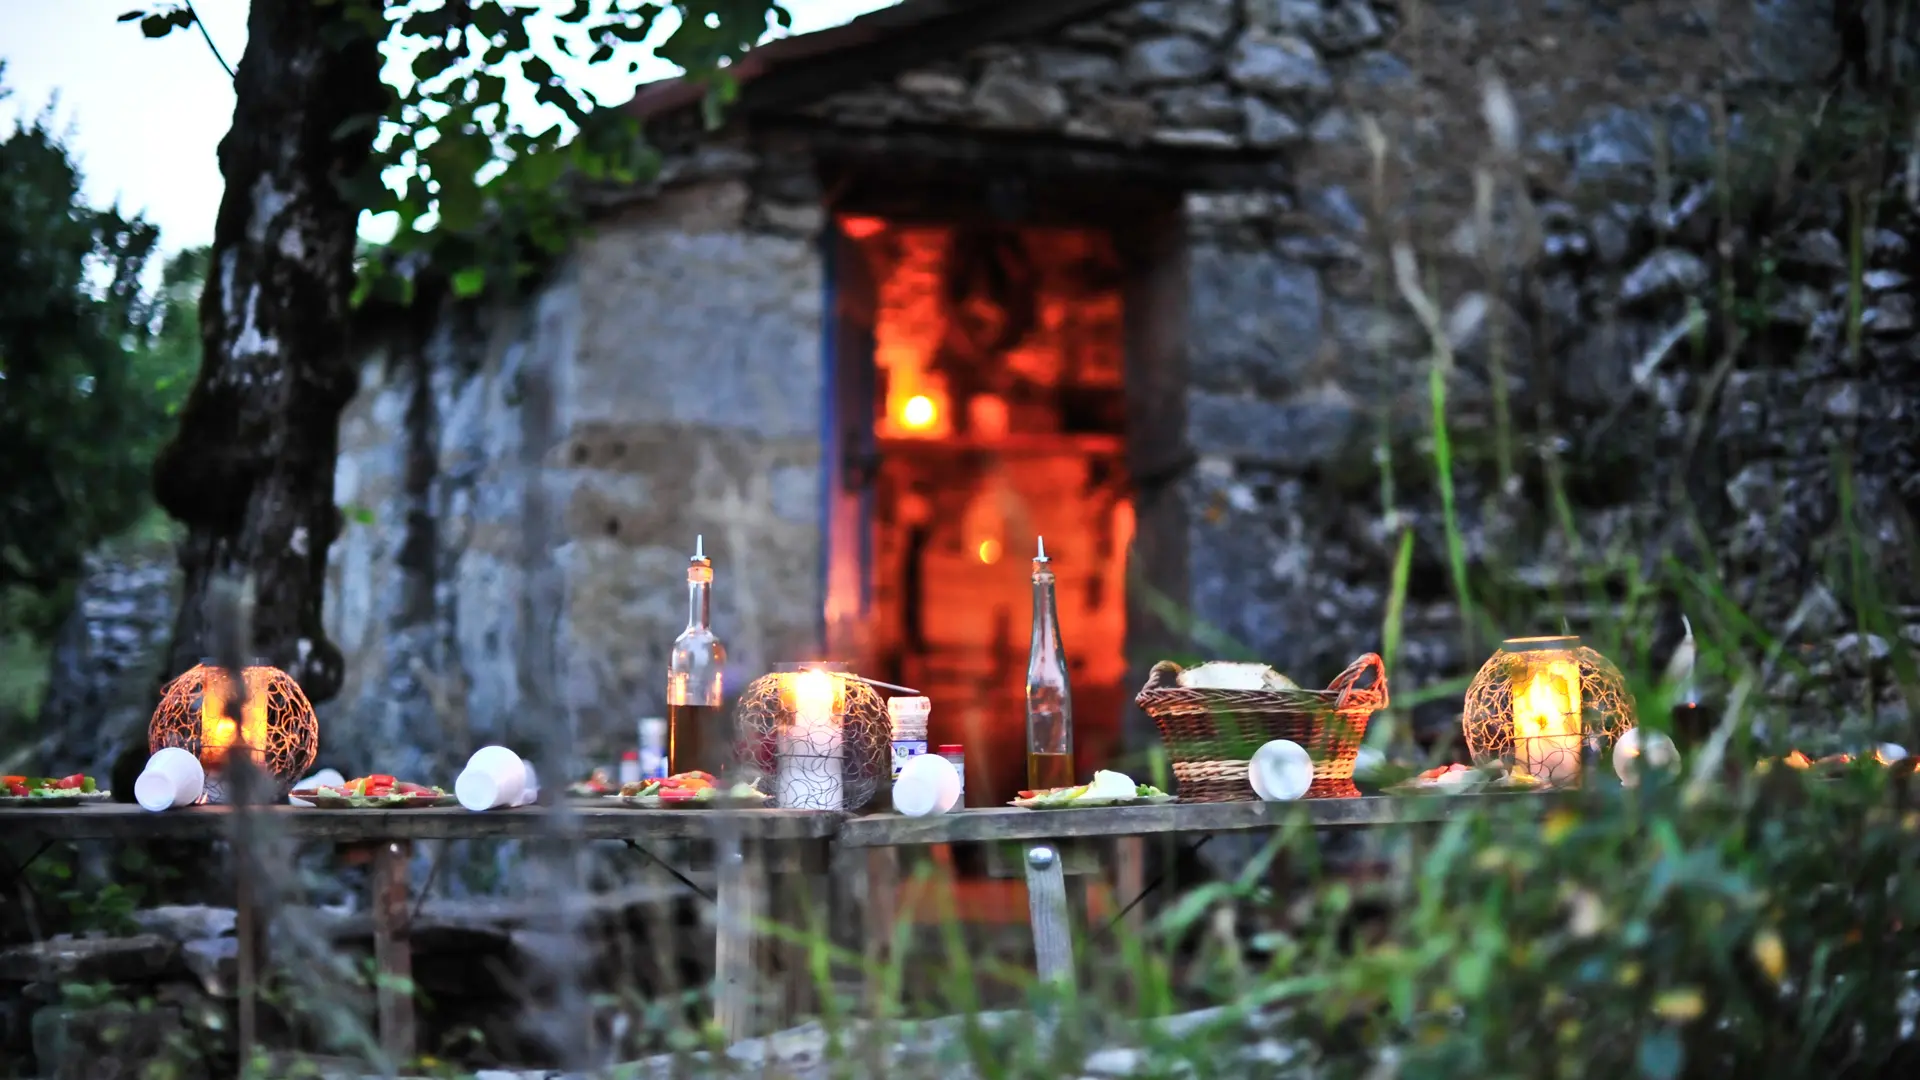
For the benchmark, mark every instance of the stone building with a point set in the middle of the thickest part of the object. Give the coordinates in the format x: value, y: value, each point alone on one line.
x: 1168, y: 278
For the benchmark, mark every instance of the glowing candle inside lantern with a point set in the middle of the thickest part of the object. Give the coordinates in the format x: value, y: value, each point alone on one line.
x: 217, y: 729
x: 1546, y: 718
x: 809, y: 759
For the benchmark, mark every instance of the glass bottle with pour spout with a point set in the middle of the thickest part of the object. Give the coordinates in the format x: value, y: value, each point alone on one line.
x: 694, y: 674
x: 1049, y: 698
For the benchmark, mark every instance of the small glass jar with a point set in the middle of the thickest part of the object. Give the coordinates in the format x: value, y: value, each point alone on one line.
x: 957, y: 754
x: 909, y: 718
x: 653, y: 748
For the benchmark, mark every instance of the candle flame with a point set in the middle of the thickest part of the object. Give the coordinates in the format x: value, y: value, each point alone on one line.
x: 1546, y: 718
x: 219, y: 733
x: 813, y: 694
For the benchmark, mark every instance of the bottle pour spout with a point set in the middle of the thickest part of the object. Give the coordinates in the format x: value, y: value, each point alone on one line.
x: 1042, y: 555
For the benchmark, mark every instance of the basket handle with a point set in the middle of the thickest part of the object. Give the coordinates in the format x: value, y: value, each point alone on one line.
x: 1164, y: 676
x: 1348, y: 682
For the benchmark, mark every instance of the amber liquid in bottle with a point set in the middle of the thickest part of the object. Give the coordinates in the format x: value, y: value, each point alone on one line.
x: 1049, y: 698
x: 695, y: 739
x: 1049, y: 771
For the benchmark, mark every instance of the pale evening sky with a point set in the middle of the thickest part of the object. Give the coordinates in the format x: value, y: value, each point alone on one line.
x: 144, y: 116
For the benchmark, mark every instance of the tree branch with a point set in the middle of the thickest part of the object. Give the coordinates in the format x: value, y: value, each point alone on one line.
x: 208, y: 38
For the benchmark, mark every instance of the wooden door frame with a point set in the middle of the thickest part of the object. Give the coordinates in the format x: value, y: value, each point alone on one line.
x: 1144, y: 215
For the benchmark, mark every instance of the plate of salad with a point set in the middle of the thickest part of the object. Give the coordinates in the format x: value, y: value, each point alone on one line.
x: 1457, y: 779
x: 1107, y: 789
x: 596, y: 786
x: 50, y: 790
x: 696, y: 790
x: 376, y: 792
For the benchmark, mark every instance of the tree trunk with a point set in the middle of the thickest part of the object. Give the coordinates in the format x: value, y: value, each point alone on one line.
x: 250, y: 472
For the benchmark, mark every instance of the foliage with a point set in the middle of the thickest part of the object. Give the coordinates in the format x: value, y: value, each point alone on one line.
x: 473, y: 189
x: 70, y: 323
x: 93, y: 369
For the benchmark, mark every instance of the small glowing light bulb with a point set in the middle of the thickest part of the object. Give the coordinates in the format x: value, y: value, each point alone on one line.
x: 919, y: 412
x: 989, y: 551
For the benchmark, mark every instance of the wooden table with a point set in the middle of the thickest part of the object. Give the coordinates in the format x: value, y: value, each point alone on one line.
x: 1043, y: 830
x: 767, y: 862
x: 758, y: 854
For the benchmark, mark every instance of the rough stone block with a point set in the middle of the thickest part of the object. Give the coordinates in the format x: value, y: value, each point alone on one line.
x: 717, y: 329
x: 1169, y: 60
x: 1006, y: 99
x: 186, y: 922
x: 1255, y: 320
x: 1074, y: 67
x: 71, y: 960
x: 1277, y: 65
x: 1212, y: 20
x: 1269, y: 126
x: 1209, y: 106
x: 1295, y: 434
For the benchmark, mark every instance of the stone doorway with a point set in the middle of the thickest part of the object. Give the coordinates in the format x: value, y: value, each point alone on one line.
x: 984, y: 392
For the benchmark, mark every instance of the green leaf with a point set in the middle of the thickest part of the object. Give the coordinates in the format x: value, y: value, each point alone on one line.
x: 353, y: 124
x: 156, y: 26
x: 470, y: 281
x: 130, y: 16
x: 1661, y: 1054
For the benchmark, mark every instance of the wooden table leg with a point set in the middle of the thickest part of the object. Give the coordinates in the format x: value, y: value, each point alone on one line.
x: 739, y: 898
x: 800, y: 903
x: 393, y: 950
x: 883, y: 918
x: 1129, y: 881
x: 1047, y: 910
x: 248, y: 962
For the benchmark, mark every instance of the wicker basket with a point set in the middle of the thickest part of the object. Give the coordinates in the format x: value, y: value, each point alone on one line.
x: 1211, y: 734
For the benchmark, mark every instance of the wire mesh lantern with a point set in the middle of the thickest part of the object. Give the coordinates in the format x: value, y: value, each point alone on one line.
x: 818, y: 731
x: 275, y: 726
x: 1539, y: 703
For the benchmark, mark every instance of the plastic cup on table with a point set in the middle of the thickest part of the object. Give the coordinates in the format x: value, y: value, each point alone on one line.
x: 1281, y: 771
x: 173, y: 777
x: 494, y: 777
x: 928, y: 784
x: 531, y: 790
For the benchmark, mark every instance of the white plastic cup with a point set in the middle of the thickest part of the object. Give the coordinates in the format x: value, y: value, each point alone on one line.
x: 530, y: 790
x: 928, y: 784
x: 1281, y: 771
x: 173, y: 777
x: 494, y: 777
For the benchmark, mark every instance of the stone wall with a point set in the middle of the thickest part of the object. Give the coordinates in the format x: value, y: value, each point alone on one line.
x: 1553, y: 172
x: 525, y: 485
x: 106, y: 663
x: 1642, y: 307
